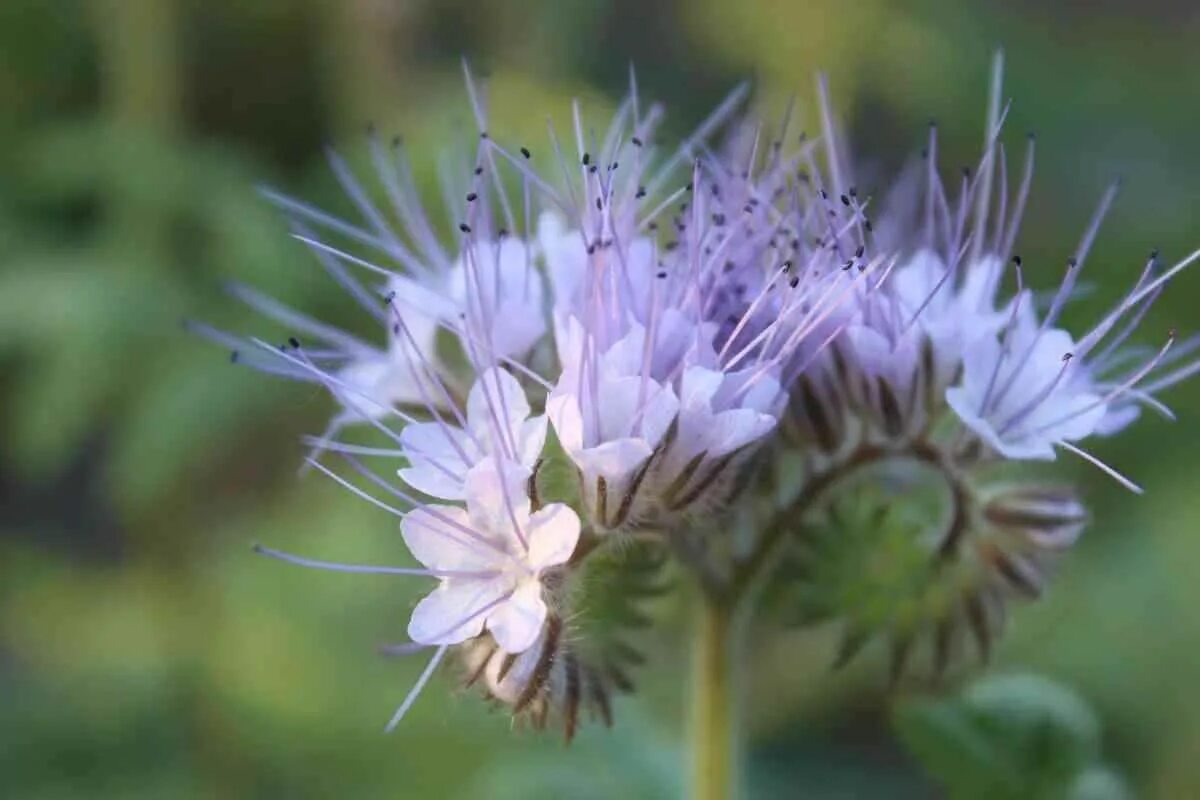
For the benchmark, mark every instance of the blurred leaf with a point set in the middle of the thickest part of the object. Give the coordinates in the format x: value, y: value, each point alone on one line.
x: 1007, y: 737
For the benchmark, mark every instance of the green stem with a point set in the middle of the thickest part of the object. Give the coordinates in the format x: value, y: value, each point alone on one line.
x: 714, y: 745
x: 715, y: 748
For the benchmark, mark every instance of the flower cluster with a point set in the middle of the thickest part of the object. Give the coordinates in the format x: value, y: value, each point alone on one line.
x: 672, y: 331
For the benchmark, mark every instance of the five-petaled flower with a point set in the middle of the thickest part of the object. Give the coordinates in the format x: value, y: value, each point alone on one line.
x: 493, y: 558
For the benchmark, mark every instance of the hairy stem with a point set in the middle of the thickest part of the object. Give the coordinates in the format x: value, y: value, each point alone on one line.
x: 714, y: 743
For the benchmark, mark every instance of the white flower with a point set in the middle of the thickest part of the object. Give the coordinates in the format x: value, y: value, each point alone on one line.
x: 406, y: 372
x: 952, y: 310
x: 497, y: 551
x: 1021, y: 396
x: 608, y: 411
x: 491, y: 295
x: 622, y: 276
x: 498, y: 423
x: 719, y: 414
x: 496, y: 286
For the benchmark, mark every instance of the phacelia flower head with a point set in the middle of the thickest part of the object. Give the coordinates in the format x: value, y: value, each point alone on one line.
x: 728, y: 353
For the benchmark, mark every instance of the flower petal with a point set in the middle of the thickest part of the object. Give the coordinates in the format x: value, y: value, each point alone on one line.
x: 496, y: 407
x: 456, y: 610
x: 613, y: 460
x: 531, y: 440
x: 496, y: 493
x: 434, y: 537
x: 516, y: 623
x: 552, y: 534
x: 439, y: 456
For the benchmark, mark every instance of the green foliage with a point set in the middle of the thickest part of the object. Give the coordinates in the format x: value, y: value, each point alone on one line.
x: 1010, y: 737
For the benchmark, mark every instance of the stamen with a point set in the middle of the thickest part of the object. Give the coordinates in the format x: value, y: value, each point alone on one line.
x: 416, y: 690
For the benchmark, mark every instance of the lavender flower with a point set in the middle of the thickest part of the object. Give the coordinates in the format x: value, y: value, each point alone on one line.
x: 669, y: 317
x: 497, y: 424
x: 490, y: 558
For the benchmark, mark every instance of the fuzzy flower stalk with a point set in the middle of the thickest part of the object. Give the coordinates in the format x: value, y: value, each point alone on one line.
x: 723, y: 353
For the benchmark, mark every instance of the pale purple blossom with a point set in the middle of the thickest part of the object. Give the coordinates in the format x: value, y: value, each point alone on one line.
x: 672, y: 318
x: 498, y: 423
x: 494, y: 554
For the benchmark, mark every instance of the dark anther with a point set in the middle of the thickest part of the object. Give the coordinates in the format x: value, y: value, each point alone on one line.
x: 787, y: 265
x: 388, y: 298
x: 858, y: 253
x: 966, y: 171
x: 464, y: 227
x: 690, y: 186
x: 794, y: 282
x: 587, y: 159
x: 848, y: 264
x: 637, y: 142
x: 718, y: 219
x: 1154, y: 254
x: 396, y: 329
x: 1067, y: 357
x: 598, y: 204
x: 671, y: 245
x: 591, y: 248
x: 471, y: 197
x: 525, y: 152
x: 503, y: 232
x: 824, y: 194
x: 479, y: 170
x: 613, y: 165
x: 662, y: 274
x: 1072, y: 262
x: 641, y: 192
x: 854, y: 191
x: 845, y: 200
x: 234, y: 355
x: 1016, y: 260
x: 294, y: 342
x: 867, y: 224
x: 483, y: 134
x: 652, y: 226
x: 592, y: 169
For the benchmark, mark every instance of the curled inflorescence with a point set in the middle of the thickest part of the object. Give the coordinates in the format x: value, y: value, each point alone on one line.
x: 725, y: 354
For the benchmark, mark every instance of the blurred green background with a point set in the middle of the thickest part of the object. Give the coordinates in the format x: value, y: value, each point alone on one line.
x: 145, y: 652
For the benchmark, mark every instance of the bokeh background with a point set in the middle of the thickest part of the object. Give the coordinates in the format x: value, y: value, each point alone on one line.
x: 145, y: 652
